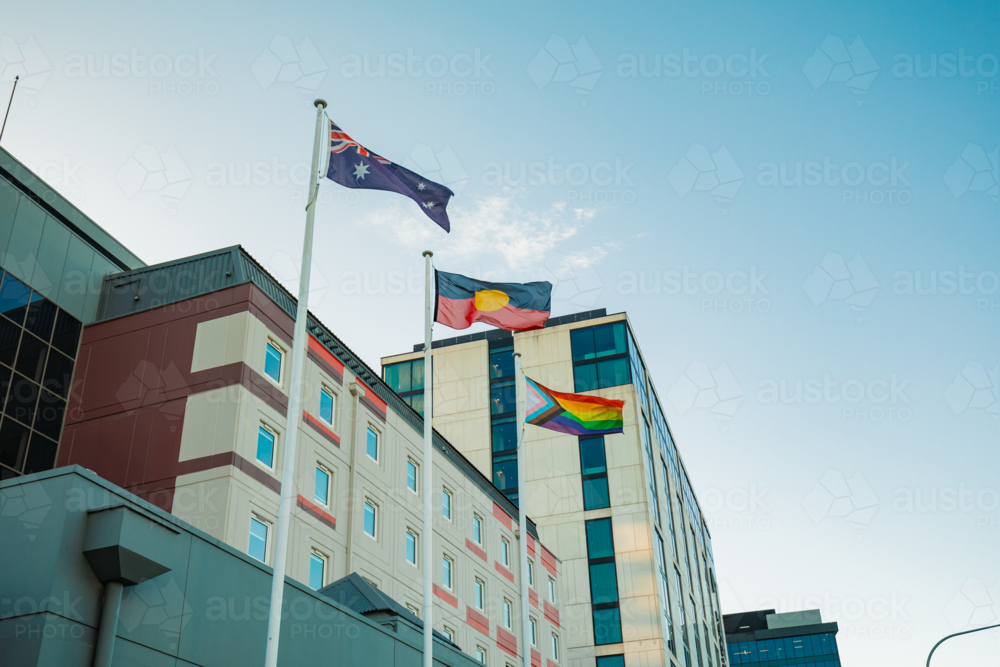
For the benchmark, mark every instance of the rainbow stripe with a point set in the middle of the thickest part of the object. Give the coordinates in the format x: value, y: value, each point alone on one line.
x: 573, y: 414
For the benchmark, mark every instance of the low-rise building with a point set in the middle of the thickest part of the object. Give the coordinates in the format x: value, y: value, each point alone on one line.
x: 766, y: 638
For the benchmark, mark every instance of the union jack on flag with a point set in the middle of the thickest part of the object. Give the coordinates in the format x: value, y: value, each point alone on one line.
x: 354, y: 166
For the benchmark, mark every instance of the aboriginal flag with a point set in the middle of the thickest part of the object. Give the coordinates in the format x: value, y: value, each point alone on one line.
x: 511, y: 306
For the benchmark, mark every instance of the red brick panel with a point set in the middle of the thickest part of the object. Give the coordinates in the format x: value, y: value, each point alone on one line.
x: 531, y: 545
x: 474, y: 548
x: 317, y: 511
x: 321, y: 428
x: 330, y: 364
x: 549, y: 561
x: 506, y: 641
x: 552, y: 614
x: 551, y: 663
x: 503, y: 516
x: 446, y: 596
x: 504, y: 571
x: 477, y: 620
x: 536, y: 658
x: 533, y: 597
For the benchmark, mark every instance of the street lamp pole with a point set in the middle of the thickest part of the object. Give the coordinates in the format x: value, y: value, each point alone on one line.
x: 956, y: 635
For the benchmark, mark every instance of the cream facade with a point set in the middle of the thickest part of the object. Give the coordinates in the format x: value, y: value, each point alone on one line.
x: 664, y: 569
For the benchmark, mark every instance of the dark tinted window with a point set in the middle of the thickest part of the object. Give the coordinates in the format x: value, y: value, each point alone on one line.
x: 41, y: 316
x: 10, y: 336
x: 13, y: 443
x: 41, y: 455
x: 31, y: 357
x: 67, y: 333
x: 49, y: 415
x: 22, y: 399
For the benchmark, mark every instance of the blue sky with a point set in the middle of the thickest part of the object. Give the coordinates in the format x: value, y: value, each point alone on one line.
x: 652, y: 176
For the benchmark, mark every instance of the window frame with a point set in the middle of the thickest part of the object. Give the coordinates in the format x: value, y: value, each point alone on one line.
x: 533, y: 629
x: 378, y: 440
x: 603, y: 607
x: 322, y: 559
x: 505, y: 552
x: 531, y: 573
x: 256, y: 518
x: 584, y: 478
x: 416, y: 475
x: 596, y: 360
x: 364, y: 527
x: 320, y: 468
x: 508, y: 614
x: 267, y: 428
x: 555, y: 647
x: 280, y: 351
x: 450, y: 570
x: 479, y: 594
x: 481, y: 655
x: 552, y: 590
x: 477, y: 529
x: 446, y: 493
x: 416, y: 547
x: 333, y: 405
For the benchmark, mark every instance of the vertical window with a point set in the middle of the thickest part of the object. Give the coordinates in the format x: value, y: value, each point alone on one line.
x: 531, y: 574
x: 411, y: 547
x: 407, y: 379
x: 326, y: 406
x: 258, y: 539
x: 317, y: 571
x: 411, y: 475
x: 661, y: 577
x: 531, y: 626
x: 265, y: 446
x: 413, y: 609
x: 552, y: 590
x: 477, y: 529
x: 603, y: 582
x: 321, y: 487
x: 503, y: 422
x: 480, y: 593
x: 448, y: 633
x: 555, y: 647
x: 446, y: 571
x: 504, y: 552
x: 481, y: 654
x: 594, y: 471
x: 372, y: 443
x: 506, y: 613
x: 446, y: 503
x: 600, y: 357
x: 272, y: 362
x: 371, y: 518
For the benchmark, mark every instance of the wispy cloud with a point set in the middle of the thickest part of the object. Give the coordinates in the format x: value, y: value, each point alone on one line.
x: 496, y: 225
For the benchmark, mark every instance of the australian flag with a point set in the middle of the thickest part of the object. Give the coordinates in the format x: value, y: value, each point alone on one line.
x: 354, y: 166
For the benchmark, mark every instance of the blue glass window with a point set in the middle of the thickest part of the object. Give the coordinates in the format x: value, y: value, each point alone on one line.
x: 603, y: 581
x: 317, y: 565
x: 594, y: 472
x: 372, y: 443
x: 272, y: 362
x: 321, y: 490
x: 407, y: 379
x: 411, y: 476
x: 326, y: 406
x: 265, y: 446
x: 258, y: 539
x: 411, y: 548
x: 371, y: 515
x: 600, y: 356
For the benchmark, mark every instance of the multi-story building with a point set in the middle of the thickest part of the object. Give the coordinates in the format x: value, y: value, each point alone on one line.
x: 619, y: 510
x: 794, y: 638
x: 180, y: 396
x: 53, y: 260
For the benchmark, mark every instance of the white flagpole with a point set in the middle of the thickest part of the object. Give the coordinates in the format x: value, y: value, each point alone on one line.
x: 428, y: 468
x: 522, y: 520
x: 294, y: 409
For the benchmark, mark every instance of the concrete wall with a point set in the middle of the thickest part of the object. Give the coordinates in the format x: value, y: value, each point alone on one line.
x: 168, y: 403
x: 209, y: 610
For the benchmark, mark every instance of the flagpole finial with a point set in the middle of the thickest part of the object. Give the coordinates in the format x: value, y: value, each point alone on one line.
x: 517, y: 354
x: 428, y: 253
x: 320, y: 103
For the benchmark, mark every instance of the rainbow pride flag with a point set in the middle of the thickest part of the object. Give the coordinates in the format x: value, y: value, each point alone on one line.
x: 575, y: 414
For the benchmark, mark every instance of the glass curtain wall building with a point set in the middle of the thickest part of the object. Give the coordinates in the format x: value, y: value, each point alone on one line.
x: 590, y: 494
x: 767, y: 639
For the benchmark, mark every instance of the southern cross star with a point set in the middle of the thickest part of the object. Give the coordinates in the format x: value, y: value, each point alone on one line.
x: 428, y: 204
x: 421, y: 186
x: 360, y: 171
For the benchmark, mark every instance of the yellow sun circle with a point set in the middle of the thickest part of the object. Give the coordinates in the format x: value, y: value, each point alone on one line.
x: 491, y: 299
